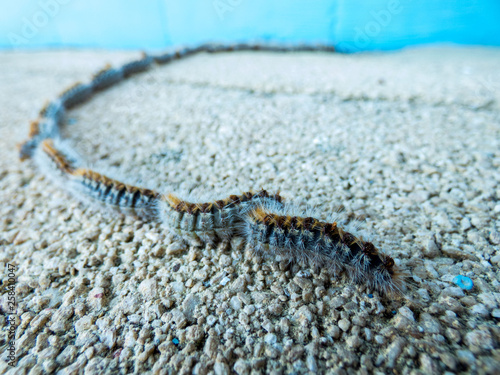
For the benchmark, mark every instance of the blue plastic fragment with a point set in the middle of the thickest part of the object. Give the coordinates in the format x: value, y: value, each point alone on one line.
x: 370, y: 295
x: 463, y: 282
x: 175, y: 341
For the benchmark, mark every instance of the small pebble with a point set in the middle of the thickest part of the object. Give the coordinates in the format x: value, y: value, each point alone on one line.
x: 270, y: 338
x: 495, y: 237
x: 379, y: 339
x: 344, y: 324
x: 463, y: 282
x: 479, y: 309
x: 406, y: 312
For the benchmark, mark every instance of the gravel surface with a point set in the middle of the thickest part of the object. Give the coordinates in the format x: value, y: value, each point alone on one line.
x: 407, y: 142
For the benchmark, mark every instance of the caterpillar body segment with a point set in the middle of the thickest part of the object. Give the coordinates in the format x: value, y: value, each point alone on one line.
x: 75, y: 94
x: 177, y: 54
x: 106, y: 78
x: 137, y: 66
x: 52, y: 110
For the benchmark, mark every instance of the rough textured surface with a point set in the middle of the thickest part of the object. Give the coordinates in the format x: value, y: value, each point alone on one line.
x: 407, y: 141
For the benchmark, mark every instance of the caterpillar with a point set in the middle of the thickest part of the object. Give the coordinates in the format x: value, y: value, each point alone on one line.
x: 53, y: 110
x: 75, y: 94
x: 286, y: 231
x: 87, y: 183
x: 106, y: 78
x: 46, y: 126
x: 137, y: 66
x: 209, y: 221
x: 264, y: 221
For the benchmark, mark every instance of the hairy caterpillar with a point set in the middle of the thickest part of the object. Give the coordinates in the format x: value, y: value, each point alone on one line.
x: 76, y: 94
x: 106, y: 78
x: 53, y: 110
x: 268, y: 225
x: 208, y: 221
x: 90, y: 184
x: 137, y: 66
x: 290, y: 233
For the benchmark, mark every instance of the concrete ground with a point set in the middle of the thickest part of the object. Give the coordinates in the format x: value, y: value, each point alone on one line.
x: 409, y: 142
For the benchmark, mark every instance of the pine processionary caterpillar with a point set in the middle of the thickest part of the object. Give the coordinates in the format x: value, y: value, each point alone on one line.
x: 113, y: 192
x: 106, y: 78
x: 268, y: 225
x: 53, y: 110
x: 208, y: 221
x: 62, y: 164
x: 286, y: 231
x: 74, y: 95
x: 88, y: 183
x: 137, y: 66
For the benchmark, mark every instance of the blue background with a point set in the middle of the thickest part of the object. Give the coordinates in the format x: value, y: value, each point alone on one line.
x: 351, y: 25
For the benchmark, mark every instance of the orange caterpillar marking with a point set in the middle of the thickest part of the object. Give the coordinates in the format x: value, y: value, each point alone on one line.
x: 57, y: 157
x: 27, y: 147
x: 34, y: 129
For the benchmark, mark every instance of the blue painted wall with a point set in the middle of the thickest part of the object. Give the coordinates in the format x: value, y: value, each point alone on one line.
x: 351, y: 25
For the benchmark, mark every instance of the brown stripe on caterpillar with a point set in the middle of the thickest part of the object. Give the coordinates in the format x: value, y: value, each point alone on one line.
x: 34, y: 129
x: 26, y: 148
x: 58, y: 158
x: 75, y: 94
x: 208, y: 222
x: 115, y: 193
x: 106, y: 77
x: 274, y: 231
